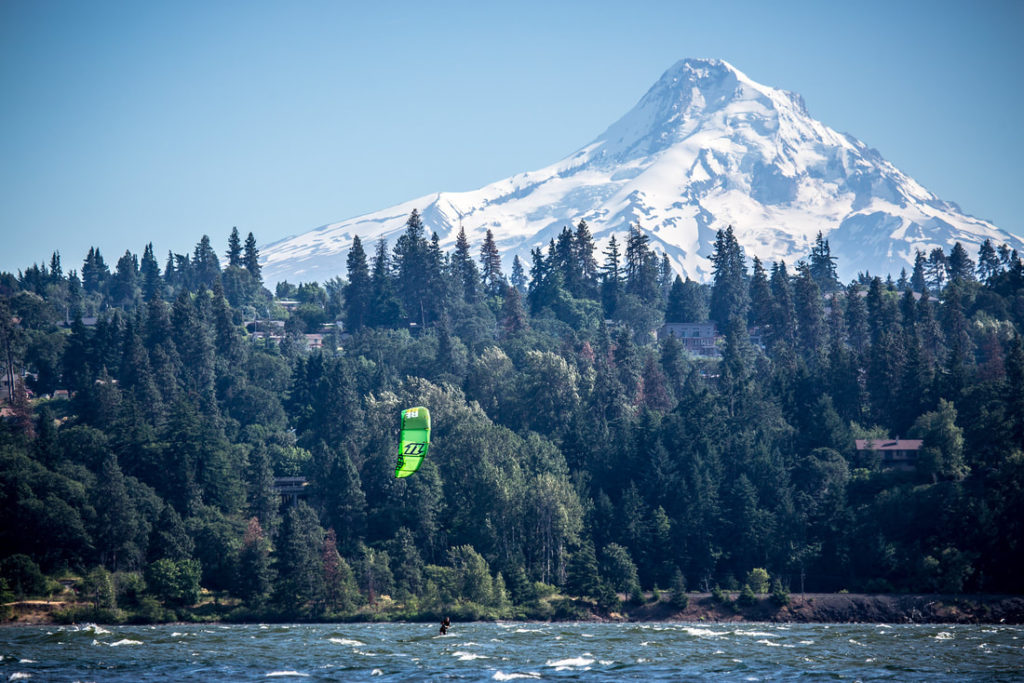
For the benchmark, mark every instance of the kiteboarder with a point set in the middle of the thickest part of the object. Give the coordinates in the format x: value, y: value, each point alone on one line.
x: 445, y: 625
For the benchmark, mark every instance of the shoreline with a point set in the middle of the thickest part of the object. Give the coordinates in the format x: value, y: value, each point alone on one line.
x: 824, y: 608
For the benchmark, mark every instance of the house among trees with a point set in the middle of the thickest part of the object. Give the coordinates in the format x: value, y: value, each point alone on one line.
x: 697, y: 338
x: 897, y: 454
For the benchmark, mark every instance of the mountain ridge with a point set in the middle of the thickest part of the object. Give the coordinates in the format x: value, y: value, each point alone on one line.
x: 704, y: 148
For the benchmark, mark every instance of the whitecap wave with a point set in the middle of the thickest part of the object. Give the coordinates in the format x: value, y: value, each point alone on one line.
x: 468, y: 656
x: 125, y: 641
x: 944, y: 635
x: 19, y: 676
x: 703, y: 632
x: 279, y: 674
x: 345, y: 641
x: 500, y: 676
x: 571, y: 663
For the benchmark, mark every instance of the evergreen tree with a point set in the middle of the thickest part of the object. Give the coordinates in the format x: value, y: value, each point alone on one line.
x: 582, y: 574
x: 116, y: 523
x: 410, y: 266
x: 255, y: 572
x: 730, y: 291
x: 761, y: 302
x: 611, y: 279
x: 464, y: 269
x: 385, y: 310
x: 149, y: 270
x: 822, y: 267
x: 518, y: 275
x: 358, y: 288
x: 94, y: 272
x: 234, y: 253
x: 641, y: 269
x: 490, y: 264
x: 206, y: 263
x: 918, y: 279
x: 960, y: 267
x: 936, y: 269
x: 988, y: 261
x: 811, y: 314
x: 300, y: 571
x: 586, y: 264
x: 251, y: 260
x: 340, y: 589
x: 124, y: 281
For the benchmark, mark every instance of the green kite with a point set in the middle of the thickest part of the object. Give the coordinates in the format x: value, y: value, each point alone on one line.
x: 415, y: 438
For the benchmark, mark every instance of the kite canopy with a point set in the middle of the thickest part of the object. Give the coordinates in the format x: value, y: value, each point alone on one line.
x: 415, y: 438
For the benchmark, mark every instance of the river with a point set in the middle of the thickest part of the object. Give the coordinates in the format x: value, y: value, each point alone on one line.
x: 513, y: 651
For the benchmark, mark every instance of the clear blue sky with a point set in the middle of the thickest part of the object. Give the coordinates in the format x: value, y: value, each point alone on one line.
x: 123, y: 123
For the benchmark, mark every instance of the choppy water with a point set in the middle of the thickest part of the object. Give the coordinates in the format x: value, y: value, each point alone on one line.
x: 514, y: 650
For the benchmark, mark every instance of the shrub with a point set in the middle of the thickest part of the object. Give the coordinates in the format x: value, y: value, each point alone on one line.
x: 780, y: 596
x: 757, y: 579
x: 747, y: 598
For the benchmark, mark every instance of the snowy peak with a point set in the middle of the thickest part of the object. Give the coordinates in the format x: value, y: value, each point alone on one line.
x: 706, y: 147
x: 694, y: 94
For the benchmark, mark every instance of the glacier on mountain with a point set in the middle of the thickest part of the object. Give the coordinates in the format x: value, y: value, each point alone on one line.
x: 706, y: 147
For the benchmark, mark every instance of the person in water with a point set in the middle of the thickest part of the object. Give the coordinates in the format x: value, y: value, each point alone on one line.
x: 445, y: 625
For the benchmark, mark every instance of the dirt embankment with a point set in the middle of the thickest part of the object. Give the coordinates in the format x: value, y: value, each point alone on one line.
x: 29, y: 612
x: 809, y: 608
x: 846, y: 608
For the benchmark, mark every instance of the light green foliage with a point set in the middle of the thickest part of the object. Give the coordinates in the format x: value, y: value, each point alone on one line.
x: 174, y: 583
x: 758, y: 580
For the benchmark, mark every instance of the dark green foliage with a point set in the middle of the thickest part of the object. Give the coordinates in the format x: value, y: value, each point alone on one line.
x: 571, y: 451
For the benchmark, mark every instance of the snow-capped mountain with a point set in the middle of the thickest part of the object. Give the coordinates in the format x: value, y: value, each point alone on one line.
x: 705, y: 148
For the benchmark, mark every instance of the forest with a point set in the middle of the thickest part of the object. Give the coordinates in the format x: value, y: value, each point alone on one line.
x: 150, y: 414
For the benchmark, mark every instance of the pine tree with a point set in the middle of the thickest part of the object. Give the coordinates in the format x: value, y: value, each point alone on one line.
x: 935, y: 269
x: 988, y: 261
x: 611, y: 279
x: 586, y: 264
x: 513, y: 316
x: 358, y: 288
x: 582, y: 575
x: 518, y: 275
x: 251, y: 260
x: 94, y: 272
x: 149, y: 271
x: 641, y: 269
x: 464, y: 268
x: 490, y: 263
x: 811, y: 316
x: 822, y: 266
x: 761, y: 302
x: 410, y: 266
x: 385, y: 310
x: 255, y: 573
x: 206, y: 263
x: 340, y: 589
x: 730, y: 291
x: 116, y: 524
x: 234, y: 252
x: 959, y: 266
x: 300, y: 567
x: 918, y: 281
